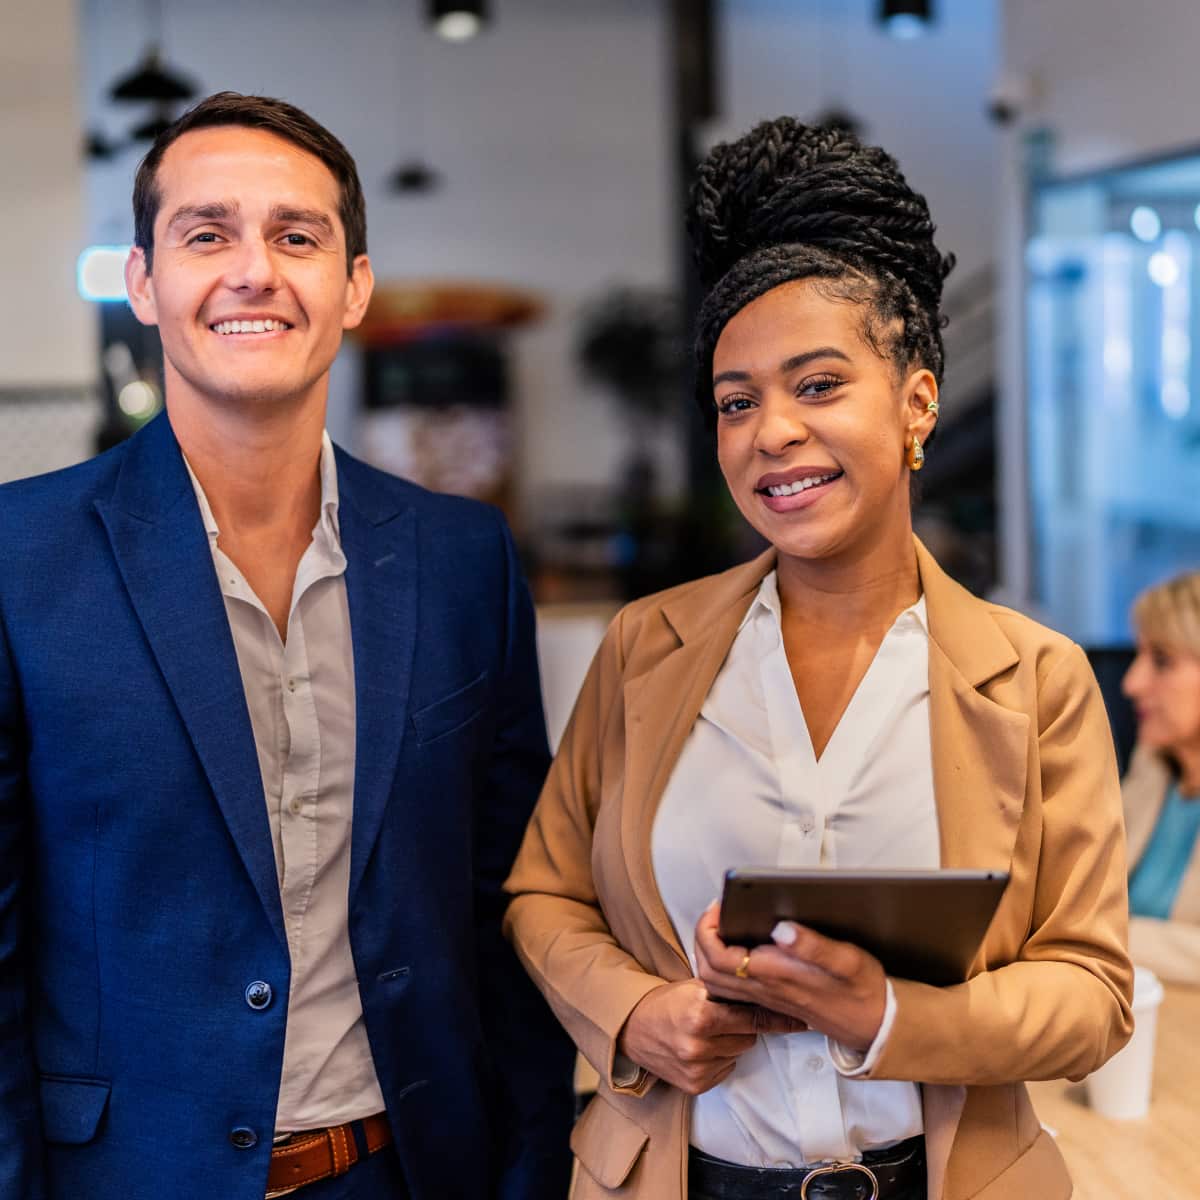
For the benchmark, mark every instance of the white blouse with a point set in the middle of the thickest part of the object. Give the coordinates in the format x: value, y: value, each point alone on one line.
x: 749, y: 791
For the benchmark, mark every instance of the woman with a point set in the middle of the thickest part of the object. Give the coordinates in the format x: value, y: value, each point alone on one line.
x: 1161, y: 790
x: 840, y: 702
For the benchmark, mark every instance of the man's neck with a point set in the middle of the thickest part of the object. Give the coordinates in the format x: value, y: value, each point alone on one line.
x: 260, y: 472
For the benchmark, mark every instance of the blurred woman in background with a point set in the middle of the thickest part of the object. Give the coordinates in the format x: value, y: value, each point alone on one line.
x: 1161, y: 789
x: 837, y: 702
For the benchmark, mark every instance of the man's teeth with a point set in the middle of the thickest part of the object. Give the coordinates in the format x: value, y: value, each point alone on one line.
x: 791, y: 489
x: 267, y: 326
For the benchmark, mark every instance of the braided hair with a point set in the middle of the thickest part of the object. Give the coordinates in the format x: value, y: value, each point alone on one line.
x: 788, y: 201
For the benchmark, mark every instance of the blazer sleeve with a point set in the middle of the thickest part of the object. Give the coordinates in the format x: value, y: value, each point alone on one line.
x: 1063, y: 1007
x: 555, y: 919
x: 534, y: 1101
x: 20, y: 1116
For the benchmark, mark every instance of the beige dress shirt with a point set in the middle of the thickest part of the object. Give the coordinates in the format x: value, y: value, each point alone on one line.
x: 300, y: 694
x: 749, y: 791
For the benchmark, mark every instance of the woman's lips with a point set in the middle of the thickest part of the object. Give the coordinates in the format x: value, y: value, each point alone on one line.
x: 798, y: 500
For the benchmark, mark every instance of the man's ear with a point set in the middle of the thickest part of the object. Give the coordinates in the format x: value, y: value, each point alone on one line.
x: 359, y: 287
x: 140, y: 287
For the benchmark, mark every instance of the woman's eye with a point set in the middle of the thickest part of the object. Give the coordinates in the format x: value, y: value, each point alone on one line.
x: 819, y: 385
x: 728, y: 405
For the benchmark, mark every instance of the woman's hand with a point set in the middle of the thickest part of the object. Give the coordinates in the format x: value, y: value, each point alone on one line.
x: 834, y: 987
x: 692, y: 1042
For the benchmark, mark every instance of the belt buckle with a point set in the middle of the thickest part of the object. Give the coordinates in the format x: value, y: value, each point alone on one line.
x: 837, y: 1168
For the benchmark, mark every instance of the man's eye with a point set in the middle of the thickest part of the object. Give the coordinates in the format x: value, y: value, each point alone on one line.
x: 206, y: 238
x: 297, y: 239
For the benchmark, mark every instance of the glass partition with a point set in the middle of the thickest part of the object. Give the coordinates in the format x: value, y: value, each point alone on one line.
x: 1114, y: 407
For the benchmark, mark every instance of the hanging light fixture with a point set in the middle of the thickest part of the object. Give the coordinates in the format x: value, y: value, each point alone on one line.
x: 458, y: 20
x: 150, y: 79
x: 906, y: 18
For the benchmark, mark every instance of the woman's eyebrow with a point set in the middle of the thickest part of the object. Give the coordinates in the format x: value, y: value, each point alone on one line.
x: 788, y: 365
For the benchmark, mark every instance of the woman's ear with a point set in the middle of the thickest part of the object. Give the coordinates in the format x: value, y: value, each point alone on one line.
x: 921, y: 403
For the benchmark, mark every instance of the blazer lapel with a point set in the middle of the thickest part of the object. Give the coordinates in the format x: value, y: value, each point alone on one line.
x: 980, y: 749
x: 661, y: 706
x: 379, y: 540
x: 158, y: 540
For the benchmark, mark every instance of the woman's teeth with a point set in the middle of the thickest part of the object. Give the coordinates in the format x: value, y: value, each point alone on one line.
x: 801, y: 485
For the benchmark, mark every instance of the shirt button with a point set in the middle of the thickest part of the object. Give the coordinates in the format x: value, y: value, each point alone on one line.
x: 243, y: 1138
x: 807, y: 826
x: 291, y: 685
x: 296, y: 805
x: 815, y: 1062
x: 259, y: 995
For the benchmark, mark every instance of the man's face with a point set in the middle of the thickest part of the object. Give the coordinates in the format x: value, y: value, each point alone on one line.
x: 249, y: 287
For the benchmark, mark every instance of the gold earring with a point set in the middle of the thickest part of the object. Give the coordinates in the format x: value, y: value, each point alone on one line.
x: 916, y: 456
x: 932, y: 407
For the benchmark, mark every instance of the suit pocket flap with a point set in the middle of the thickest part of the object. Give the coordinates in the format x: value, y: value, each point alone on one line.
x: 607, y: 1143
x: 72, y: 1108
x: 450, y: 712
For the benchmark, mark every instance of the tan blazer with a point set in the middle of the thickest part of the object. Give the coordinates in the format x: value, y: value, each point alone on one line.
x: 1025, y: 781
x: 1169, y: 948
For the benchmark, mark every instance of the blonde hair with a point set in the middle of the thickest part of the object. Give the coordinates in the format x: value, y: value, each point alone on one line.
x: 1169, y: 613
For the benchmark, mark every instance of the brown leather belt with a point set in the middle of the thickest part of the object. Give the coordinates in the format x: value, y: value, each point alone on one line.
x: 322, y: 1153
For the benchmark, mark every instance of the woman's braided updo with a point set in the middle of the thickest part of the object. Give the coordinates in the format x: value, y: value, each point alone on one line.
x: 789, y: 201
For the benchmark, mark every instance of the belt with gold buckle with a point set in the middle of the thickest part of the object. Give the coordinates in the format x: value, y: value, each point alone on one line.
x: 836, y: 1168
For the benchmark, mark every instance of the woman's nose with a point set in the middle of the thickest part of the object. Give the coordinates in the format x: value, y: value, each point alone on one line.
x: 780, y: 425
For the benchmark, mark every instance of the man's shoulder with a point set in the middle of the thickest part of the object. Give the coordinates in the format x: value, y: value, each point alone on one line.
x: 380, y: 494
x: 55, y: 495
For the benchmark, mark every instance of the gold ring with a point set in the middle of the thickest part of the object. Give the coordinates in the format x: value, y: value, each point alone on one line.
x: 743, y: 971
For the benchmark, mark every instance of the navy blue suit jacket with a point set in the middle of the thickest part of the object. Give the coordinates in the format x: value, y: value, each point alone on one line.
x: 138, y: 888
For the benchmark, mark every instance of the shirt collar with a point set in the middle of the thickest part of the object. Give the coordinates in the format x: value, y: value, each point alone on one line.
x: 767, y: 602
x: 327, y: 522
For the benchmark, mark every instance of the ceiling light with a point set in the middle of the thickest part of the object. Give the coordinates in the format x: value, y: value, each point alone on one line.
x: 458, y: 20
x: 906, y: 18
x: 150, y: 80
x: 1145, y: 223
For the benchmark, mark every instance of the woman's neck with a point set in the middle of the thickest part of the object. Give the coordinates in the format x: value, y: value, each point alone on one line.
x: 1188, y: 759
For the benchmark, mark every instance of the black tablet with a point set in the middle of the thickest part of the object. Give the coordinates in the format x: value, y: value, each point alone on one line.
x: 924, y: 925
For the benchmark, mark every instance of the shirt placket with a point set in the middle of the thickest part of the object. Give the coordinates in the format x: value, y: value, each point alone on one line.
x: 811, y: 1082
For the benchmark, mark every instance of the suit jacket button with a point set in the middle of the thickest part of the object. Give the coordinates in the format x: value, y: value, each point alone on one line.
x: 259, y: 995
x: 243, y: 1138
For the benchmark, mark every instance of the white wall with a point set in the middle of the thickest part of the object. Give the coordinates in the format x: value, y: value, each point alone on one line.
x: 550, y: 131
x: 47, y: 334
x: 1113, y: 80
x: 921, y: 100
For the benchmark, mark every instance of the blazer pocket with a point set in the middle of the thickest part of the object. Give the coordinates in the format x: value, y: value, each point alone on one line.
x: 72, y: 1108
x: 451, y: 712
x: 607, y: 1143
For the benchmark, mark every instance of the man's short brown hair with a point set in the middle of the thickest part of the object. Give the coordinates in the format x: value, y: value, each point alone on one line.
x: 273, y: 116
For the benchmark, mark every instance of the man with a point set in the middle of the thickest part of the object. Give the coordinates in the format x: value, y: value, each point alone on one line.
x: 270, y: 732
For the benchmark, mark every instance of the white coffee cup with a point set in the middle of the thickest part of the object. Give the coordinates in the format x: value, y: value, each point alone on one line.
x: 1121, y: 1088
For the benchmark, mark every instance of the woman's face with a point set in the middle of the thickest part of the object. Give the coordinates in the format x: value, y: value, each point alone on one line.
x: 1164, y: 685
x: 813, y: 424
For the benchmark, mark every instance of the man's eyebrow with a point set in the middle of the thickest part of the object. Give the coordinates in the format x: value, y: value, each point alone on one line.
x: 216, y: 210
x: 313, y: 217
x: 788, y: 365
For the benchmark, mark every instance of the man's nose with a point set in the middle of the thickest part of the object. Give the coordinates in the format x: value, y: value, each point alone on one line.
x: 252, y: 267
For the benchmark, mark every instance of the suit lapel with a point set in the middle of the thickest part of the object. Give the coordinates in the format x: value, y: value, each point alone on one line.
x: 158, y: 540
x: 379, y: 540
